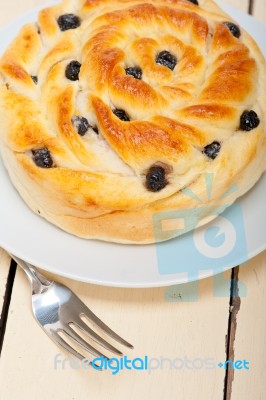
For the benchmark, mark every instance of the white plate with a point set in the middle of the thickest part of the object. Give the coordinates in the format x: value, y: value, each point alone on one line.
x: 30, y: 237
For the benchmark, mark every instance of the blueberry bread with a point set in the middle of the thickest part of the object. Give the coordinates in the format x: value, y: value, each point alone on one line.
x: 113, y: 112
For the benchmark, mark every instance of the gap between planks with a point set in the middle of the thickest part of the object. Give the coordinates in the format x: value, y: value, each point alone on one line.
x: 251, y: 7
x: 234, y: 308
x: 7, y: 299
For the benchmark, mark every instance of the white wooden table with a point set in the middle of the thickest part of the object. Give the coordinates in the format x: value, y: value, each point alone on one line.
x: 216, y: 328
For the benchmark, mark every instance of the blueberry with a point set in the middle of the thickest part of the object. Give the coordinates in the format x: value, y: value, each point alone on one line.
x: 136, y: 72
x: 155, y: 179
x: 42, y: 158
x: 81, y: 124
x: 233, y: 28
x: 121, y: 114
x: 194, y: 2
x: 68, y: 21
x: 35, y: 79
x: 166, y: 59
x: 72, y: 70
x: 249, y: 120
x: 212, y: 150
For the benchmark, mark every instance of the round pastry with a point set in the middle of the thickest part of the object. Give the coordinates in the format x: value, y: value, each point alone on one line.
x: 117, y: 116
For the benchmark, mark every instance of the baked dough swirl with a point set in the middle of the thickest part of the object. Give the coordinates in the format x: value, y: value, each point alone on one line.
x: 114, y: 111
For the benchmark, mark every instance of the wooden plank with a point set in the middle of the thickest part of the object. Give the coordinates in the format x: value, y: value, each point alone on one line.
x: 240, y: 4
x: 250, y: 343
x: 157, y: 328
x: 15, y: 8
x: 259, y: 10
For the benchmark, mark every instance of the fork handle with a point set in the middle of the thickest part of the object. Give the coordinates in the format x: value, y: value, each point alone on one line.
x: 38, y: 281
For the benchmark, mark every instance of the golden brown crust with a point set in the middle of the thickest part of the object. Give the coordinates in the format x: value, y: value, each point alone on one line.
x: 97, y: 186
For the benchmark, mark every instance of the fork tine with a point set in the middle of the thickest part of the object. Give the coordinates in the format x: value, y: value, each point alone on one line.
x: 94, y: 336
x: 91, y: 316
x: 78, y: 339
x: 58, y: 340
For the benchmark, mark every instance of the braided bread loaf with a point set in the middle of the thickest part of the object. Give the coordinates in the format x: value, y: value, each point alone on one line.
x: 112, y: 111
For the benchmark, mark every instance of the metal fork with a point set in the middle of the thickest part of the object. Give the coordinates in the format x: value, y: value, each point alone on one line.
x: 56, y: 308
